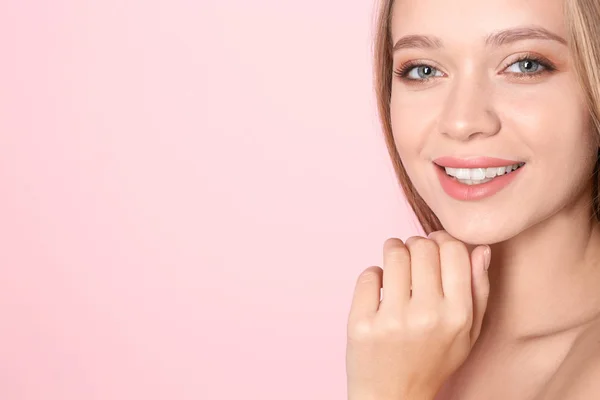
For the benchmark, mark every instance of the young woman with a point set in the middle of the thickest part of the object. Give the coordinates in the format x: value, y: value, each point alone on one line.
x: 491, y: 114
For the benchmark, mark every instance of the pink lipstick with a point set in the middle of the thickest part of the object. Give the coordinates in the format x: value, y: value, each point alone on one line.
x: 476, y: 178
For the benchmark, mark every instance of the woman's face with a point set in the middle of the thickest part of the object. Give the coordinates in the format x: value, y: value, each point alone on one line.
x: 466, y: 98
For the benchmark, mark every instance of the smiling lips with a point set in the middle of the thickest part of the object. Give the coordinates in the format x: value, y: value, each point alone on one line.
x: 474, y: 162
x: 477, y: 177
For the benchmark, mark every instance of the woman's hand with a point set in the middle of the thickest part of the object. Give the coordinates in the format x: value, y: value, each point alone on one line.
x: 404, y: 346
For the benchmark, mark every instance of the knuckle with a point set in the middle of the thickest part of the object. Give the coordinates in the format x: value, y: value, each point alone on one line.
x: 424, y: 245
x: 360, y: 331
x: 424, y: 321
x: 441, y: 236
x: 393, y: 242
x: 391, y: 326
x: 398, y: 254
x: 370, y: 274
x: 459, y: 321
x: 412, y: 239
x: 367, y: 331
x: 437, y: 233
x: 454, y: 247
x: 396, y: 250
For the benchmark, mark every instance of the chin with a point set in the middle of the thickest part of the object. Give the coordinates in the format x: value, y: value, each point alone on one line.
x: 477, y: 231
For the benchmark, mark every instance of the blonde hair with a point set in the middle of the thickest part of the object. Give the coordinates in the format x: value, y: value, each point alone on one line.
x: 583, y: 35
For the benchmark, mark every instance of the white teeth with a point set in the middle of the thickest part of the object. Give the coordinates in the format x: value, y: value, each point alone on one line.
x: 477, y: 174
x: 459, y: 173
x: 473, y: 176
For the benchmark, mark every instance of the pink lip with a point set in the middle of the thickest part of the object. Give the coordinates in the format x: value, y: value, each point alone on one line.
x: 474, y: 162
x: 462, y: 191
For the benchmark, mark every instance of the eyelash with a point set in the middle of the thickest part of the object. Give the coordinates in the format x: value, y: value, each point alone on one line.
x: 548, y: 67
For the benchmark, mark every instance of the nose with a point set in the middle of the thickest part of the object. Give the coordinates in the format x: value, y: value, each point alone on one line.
x: 468, y: 111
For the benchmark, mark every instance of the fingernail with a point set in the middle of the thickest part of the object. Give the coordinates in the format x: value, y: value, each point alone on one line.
x: 487, y: 257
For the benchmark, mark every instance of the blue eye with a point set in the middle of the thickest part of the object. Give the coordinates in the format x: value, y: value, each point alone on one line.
x: 529, y: 66
x: 422, y: 72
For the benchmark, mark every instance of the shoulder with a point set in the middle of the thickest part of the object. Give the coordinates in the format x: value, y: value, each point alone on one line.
x: 578, y: 378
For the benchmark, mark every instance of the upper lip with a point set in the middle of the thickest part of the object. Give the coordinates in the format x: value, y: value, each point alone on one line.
x: 474, y: 162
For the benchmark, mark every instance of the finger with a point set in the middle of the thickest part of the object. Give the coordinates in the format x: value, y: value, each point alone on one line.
x: 365, y: 301
x: 455, y: 270
x: 480, y: 288
x: 396, y: 274
x: 425, y: 268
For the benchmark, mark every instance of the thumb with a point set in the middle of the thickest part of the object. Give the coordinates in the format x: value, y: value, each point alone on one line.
x: 480, y: 287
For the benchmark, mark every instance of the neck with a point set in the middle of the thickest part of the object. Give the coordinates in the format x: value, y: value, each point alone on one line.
x: 546, y: 280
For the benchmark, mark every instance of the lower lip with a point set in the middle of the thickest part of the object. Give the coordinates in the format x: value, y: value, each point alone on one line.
x: 462, y: 191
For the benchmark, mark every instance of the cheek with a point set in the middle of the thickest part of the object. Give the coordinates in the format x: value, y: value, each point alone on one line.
x: 406, y: 139
x: 411, y: 123
x: 551, y: 114
x: 555, y: 129
x: 410, y: 132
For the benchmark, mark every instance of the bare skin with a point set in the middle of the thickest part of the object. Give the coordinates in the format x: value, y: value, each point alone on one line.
x: 564, y: 366
x: 560, y: 359
x: 539, y: 339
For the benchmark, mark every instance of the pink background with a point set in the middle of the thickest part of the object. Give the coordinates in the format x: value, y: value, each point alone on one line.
x: 189, y: 191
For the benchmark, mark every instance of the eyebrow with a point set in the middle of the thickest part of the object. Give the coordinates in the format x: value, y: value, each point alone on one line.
x: 495, y: 39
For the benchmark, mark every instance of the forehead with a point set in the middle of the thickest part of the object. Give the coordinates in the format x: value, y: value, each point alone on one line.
x: 472, y: 20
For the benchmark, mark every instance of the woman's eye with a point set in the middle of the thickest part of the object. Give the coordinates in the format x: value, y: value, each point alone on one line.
x: 525, y: 67
x: 422, y: 72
